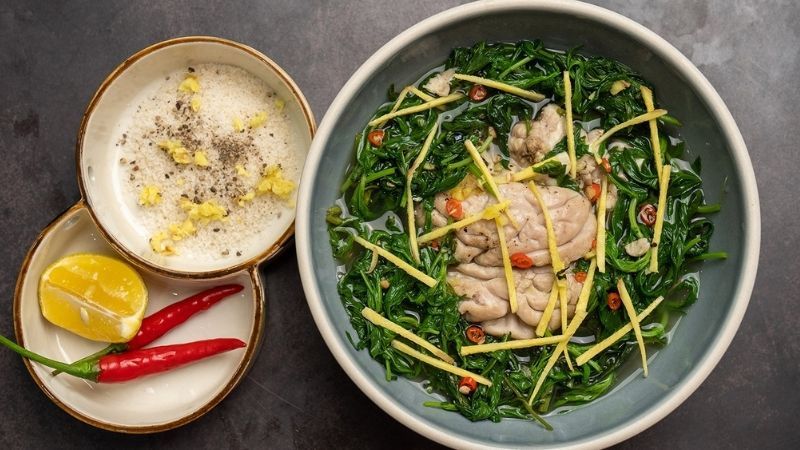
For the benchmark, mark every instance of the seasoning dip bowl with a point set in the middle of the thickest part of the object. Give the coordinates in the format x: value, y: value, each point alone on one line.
x: 103, y: 171
x: 153, y: 403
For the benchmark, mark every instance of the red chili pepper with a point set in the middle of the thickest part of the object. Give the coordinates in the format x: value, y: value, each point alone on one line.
x: 138, y: 363
x: 467, y: 385
x: 594, y: 243
x: 133, y: 364
x: 478, y: 93
x: 454, y: 208
x: 160, y: 322
x: 614, y: 301
x: 475, y: 334
x: 593, y: 192
x: 647, y: 214
x: 606, y: 165
x: 521, y: 260
x: 580, y: 277
x: 375, y: 137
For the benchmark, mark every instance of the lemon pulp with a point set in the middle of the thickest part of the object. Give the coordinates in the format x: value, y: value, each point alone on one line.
x: 94, y: 296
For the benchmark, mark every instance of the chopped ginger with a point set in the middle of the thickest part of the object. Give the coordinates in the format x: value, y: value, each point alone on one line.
x: 201, y: 159
x: 161, y: 243
x: 489, y: 213
x: 195, y: 103
x: 439, y: 364
x: 619, y: 86
x: 203, y: 212
x: 465, y: 189
x: 259, y: 119
x: 177, y: 151
x: 150, y: 196
x: 250, y: 195
x: 526, y: 94
x: 189, y: 84
x: 241, y: 171
x: 238, y: 125
x: 377, y: 319
x: 507, y: 270
x: 397, y: 261
x: 279, y: 104
x: 274, y: 182
x: 179, y: 231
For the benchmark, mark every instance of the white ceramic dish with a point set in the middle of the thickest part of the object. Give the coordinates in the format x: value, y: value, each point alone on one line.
x: 157, y: 402
x: 110, y: 113
x: 704, y: 333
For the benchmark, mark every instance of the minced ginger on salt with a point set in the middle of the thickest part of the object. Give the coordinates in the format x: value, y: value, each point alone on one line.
x: 209, y: 161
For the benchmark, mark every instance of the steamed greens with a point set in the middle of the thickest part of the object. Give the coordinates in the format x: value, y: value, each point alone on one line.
x: 605, y: 93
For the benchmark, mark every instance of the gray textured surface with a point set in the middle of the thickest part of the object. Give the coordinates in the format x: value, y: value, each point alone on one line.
x: 53, y: 56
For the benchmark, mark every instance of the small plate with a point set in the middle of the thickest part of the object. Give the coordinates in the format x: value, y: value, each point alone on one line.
x: 157, y: 402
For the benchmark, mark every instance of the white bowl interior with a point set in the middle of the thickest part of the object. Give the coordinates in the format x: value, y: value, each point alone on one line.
x: 150, y: 401
x: 99, y: 165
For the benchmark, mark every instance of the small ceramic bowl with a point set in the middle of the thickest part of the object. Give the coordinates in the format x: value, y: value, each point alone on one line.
x: 110, y: 112
x: 157, y: 402
x: 703, y: 333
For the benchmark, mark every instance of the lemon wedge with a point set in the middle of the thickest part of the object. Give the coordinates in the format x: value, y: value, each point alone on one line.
x: 94, y: 296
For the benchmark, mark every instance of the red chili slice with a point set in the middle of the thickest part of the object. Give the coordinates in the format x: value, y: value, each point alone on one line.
x: 606, y: 165
x: 475, y: 334
x: 593, y: 192
x: 614, y: 301
x: 467, y: 385
x: 647, y: 214
x: 580, y: 277
x: 454, y: 209
x: 521, y: 260
x: 478, y: 93
x: 375, y: 137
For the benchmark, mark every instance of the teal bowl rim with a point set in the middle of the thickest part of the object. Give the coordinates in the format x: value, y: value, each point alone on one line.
x: 664, y: 50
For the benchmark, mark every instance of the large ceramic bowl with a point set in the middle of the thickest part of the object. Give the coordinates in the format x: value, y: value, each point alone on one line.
x: 700, y: 338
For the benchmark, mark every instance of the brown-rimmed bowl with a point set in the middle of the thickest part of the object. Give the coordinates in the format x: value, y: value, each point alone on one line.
x: 153, y: 403
x: 107, y: 117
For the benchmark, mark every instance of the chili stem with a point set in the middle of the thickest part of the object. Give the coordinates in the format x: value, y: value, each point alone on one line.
x: 113, y: 348
x: 80, y: 372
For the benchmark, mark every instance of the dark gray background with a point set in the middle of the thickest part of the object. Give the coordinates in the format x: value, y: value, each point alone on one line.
x: 53, y: 55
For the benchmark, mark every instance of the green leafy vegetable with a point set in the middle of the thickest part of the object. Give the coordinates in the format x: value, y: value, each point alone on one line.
x: 374, y: 188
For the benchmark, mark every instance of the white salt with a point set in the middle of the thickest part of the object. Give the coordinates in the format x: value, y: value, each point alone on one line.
x: 226, y: 94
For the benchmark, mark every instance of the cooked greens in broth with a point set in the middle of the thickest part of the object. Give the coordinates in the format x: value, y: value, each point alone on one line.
x: 516, y: 224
